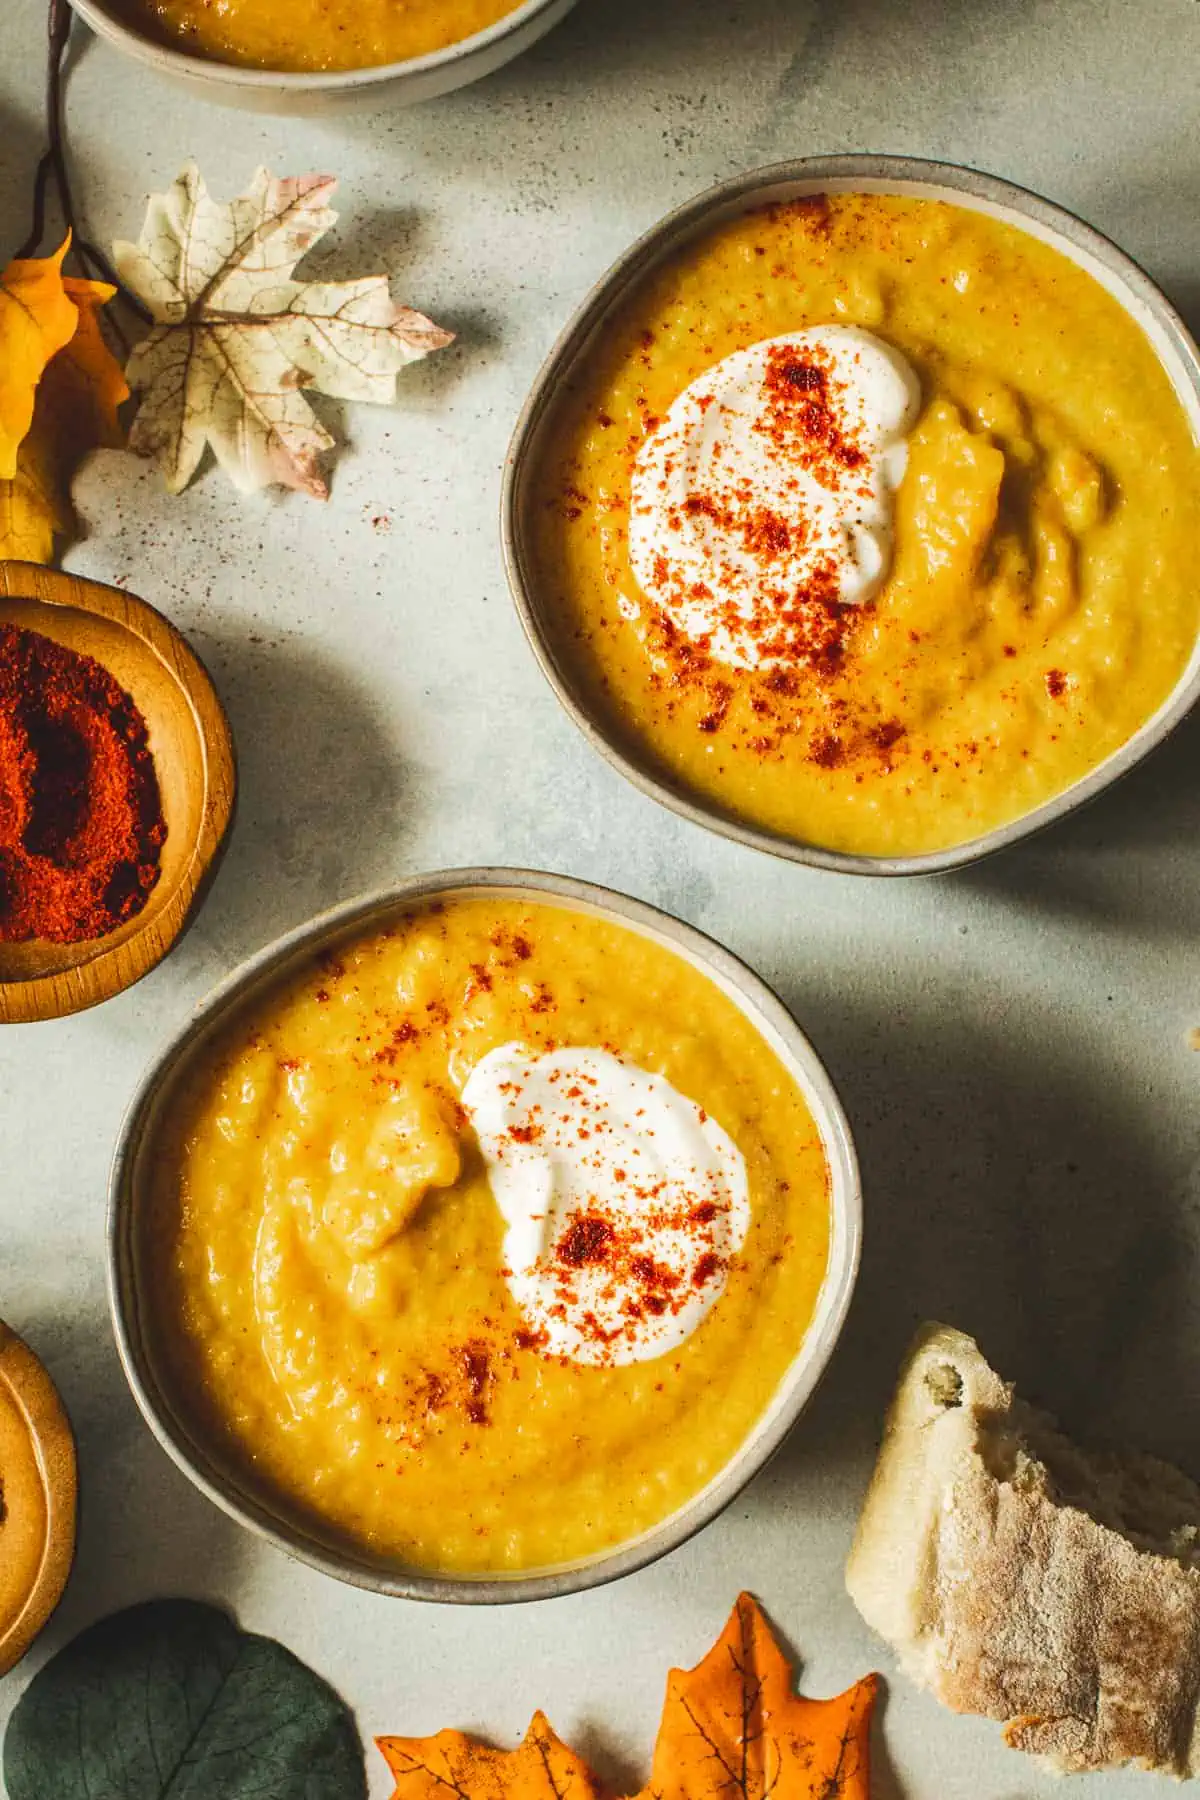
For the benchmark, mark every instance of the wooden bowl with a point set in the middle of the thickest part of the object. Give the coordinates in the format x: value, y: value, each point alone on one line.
x: 193, y: 756
x: 37, y: 1486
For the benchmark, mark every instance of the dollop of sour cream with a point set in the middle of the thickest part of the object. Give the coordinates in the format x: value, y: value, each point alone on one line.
x: 765, y: 496
x: 623, y: 1200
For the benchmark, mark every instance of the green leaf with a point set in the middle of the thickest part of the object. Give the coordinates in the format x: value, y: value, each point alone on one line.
x: 171, y: 1699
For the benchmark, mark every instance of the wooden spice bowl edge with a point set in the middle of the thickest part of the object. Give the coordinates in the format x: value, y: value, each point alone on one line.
x: 195, y: 763
x: 45, y: 1487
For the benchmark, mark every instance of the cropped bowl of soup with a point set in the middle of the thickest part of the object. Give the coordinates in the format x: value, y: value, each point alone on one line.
x: 271, y: 56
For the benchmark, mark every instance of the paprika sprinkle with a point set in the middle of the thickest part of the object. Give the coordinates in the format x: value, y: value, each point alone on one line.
x: 81, y: 822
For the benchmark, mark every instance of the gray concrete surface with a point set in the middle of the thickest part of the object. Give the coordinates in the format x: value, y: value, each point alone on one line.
x: 1011, y: 1043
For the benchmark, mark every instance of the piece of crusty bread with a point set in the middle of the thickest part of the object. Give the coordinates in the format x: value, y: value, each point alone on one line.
x: 1019, y: 1577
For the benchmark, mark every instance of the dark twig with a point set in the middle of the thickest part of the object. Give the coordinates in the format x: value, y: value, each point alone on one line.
x: 52, y: 165
x: 38, y: 232
x: 52, y: 168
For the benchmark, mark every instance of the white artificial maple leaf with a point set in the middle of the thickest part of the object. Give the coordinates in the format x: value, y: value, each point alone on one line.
x: 235, y: 338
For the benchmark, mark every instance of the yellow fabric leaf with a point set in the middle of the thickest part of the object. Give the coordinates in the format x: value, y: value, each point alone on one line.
x: 36, y: 320
x: 75, y: 411
x: 33, y: 508
x: 732, y: 1729
x: 89, y: 370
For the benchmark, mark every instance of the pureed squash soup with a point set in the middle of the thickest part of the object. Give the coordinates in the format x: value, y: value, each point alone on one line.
x: 305, y: 36
x: 487, y: 1239
x: 871, y: 520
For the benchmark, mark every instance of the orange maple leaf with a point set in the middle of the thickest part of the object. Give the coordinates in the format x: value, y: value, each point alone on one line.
x: 36, y: 320
x: 731, y: 1727
x: 452, y: 1764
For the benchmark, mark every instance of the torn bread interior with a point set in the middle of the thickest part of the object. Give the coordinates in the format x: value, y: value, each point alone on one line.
x: 1017, y: 1576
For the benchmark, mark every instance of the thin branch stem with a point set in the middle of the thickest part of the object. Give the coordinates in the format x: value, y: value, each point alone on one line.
x: 38, y: 232
x: 59, y: 20
x: 52, y: 167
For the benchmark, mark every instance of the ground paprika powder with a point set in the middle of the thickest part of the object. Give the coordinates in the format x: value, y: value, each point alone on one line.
x: 81, y: 822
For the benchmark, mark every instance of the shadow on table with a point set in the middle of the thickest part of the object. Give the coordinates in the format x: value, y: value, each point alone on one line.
x: 403, y: 242
x: 619, y: 1772
x: 605, y: 53
x: 1184, y: 292
x: 1161, y: 191
x: 668, y: 34
x: 672, y: 36
x: 692, y: 48
x: 20, y: 146
x: 144, y: 1530
x: 1122, y: 863
x: 325, y: 800
x: 1006, y: 1197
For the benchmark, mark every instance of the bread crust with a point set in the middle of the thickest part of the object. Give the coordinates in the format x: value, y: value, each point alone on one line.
x: 980, y: 1558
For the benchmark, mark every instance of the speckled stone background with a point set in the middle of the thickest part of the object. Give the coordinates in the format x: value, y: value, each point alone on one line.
x: 1011, y: 1043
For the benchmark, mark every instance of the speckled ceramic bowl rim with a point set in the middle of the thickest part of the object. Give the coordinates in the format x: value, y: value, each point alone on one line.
x: 206, y: 70
x: 1122, y: 277
x: 228, y: 1490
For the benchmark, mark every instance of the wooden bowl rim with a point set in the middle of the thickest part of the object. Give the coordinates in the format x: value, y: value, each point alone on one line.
x: 110, y: 972
x: 37, y: 1399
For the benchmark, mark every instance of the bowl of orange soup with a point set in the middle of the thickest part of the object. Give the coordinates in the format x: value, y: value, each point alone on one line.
x: 290, y: 56
x: 481, y: 1240
x: 853, y: 514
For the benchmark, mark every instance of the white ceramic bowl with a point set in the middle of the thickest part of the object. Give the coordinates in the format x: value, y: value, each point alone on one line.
x: 260, y: 1511
x: 388, y: 84
x: 783, y: 182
